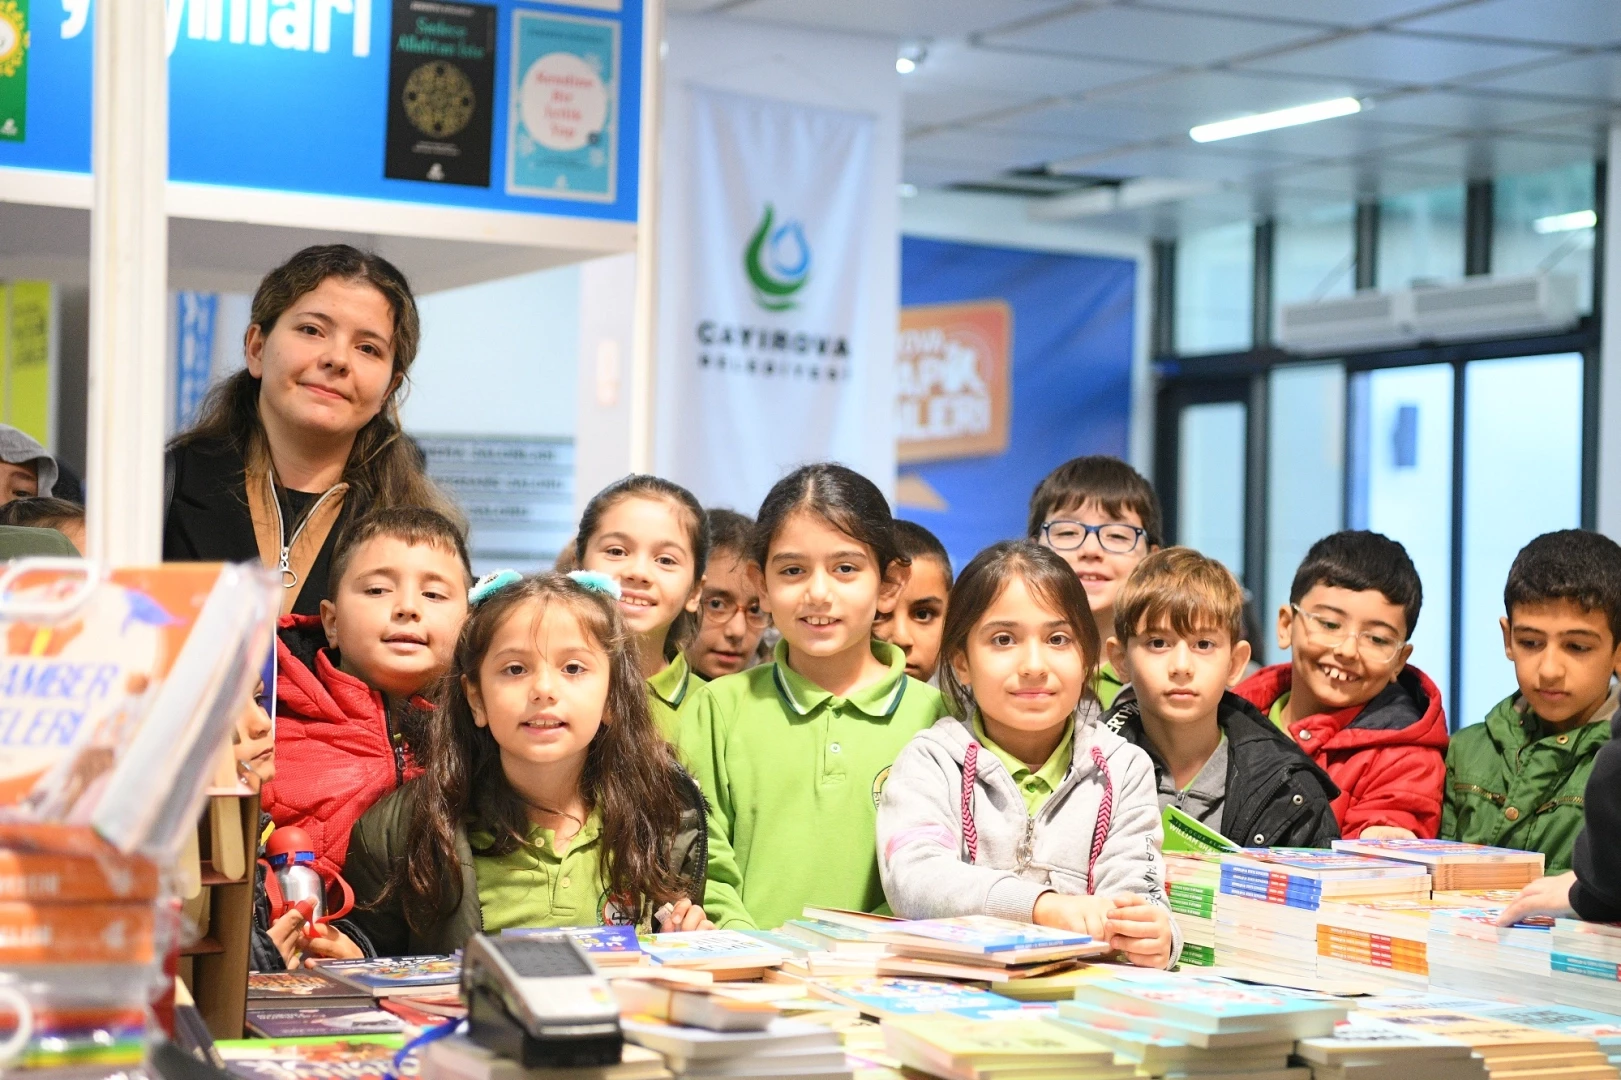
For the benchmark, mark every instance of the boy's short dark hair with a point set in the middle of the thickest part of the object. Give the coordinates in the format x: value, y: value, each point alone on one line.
x: 1571, y: 564
x: 730, y: 532
x: 1107, y: 481
x: 408, y: 524
x: 916, y: 543
x: 1362, y: 561
x: 41, y: 512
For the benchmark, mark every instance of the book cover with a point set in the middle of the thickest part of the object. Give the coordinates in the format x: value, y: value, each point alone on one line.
x: 358, y: 1057
x: 857, y: 920
x: 698, y: 1044
x: 607, y: 945
x: 271, y: 989
x: 56, y: 877
x: 76, y: 934
x: 1184, y: 833
x: 984, y: 934
x: 321, y: 1020
x: 709, y: 947
x: 783, y: 943
x: 1436, y: 852
x: 887, y: 998
x: 1209, y: 1002
x: 930, y: 1043
x: 1316, y: 864
x: 390, y: 975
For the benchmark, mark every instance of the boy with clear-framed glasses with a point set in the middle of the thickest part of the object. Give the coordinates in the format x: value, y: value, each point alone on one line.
x: 1103, y: 517
x: 1348, y: 697
x: 731, y: 625
x: 1519, y: 779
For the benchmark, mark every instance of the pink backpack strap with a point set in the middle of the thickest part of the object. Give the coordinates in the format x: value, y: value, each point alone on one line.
x: 970, y: 770
x: 1100, y: 831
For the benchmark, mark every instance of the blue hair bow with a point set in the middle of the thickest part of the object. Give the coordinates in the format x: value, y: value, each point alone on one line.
x: 601, y: 583
x: 490, y: 584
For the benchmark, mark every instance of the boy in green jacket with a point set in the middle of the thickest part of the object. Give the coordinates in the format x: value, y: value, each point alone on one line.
x: 1518, y: 779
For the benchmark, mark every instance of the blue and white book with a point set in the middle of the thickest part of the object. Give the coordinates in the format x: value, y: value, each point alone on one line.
x: 986, y: 936
x: 608, y: 946
x: 1215, y: 1005
x: 392, y: 976
x: 711, y: 949
x: 888, y: 999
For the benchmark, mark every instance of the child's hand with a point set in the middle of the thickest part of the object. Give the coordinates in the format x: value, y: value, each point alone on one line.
x: 1140, y: 930
x: 286, y: 934
x: 686, y: 915
x: 329, y: 943
x: 1545, y: 896
x: 1386, y: 832
x: 1082, y: 914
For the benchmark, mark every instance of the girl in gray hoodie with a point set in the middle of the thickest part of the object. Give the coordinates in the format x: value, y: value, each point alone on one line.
x: 1029, y: 809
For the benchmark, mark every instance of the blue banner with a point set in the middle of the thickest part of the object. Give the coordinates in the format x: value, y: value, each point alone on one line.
x: 1069, y: 332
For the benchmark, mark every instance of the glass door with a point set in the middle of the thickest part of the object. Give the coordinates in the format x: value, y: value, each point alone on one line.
x: 1203, y: 470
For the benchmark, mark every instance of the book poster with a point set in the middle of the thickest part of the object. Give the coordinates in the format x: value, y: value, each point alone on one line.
x: 565, y: 90
x: 441, y: 86
x: 13, y: 70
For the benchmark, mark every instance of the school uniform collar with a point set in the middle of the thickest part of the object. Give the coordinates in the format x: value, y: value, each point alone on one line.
x: 672, y: 683
x: 1049, y: 775
x: 879, y: 701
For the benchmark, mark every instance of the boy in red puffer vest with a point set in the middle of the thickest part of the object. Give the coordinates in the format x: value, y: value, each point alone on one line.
x: 1348, y: 697
x: 349, y: 683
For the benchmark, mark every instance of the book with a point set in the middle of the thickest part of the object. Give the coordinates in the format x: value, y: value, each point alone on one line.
x: 76, y: 934
x: 1192, y: 885
x: 987, y: 939
x: 923, y: 967
x: 698, y: 1045
x: 608, y: 946
x: 834, y: 938
x: 1469, y: 952
x: 44, y: 876
x: 1161, y: 1047
x: 105, y: 1036
x: 1365, y: 1039
x: 1214, y: 1005
x: 388, y: 976
x: 321, y: 1020
x: 1184, y: 833
x: 856, y: 920
x: 410, y: 1015
x: 458, y: 1058
x: 1456, y: 865
x: 711, y: 950
x: 888, y: 999
x: 356, y: 1057
x: 448, y: 1005
x: 949, y: 1047
x: 709, y: 1008
x: 301, y: 989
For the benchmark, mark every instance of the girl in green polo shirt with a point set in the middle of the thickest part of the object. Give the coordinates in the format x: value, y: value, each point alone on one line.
x: 548, y: 800
x: 652, y: 537
x: 793, y: 754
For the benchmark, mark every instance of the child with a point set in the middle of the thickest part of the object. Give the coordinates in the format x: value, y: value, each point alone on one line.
x: 1349, y: 697
x: 350, y: 718
x: 1517, y: 779
x: 1177, y: 641
x: 548, y: 800
x: 914, y: 626
x: 652, y: 537
x: 277, y: 944
x: 46, y: 512
x: 26, y: 468
x: 1103, y: 517
x: 731, y: 622
x: 793, y: 754
x: 1055, y: 822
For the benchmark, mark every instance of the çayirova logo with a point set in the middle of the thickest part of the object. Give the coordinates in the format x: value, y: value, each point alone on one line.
x: 777, y: 262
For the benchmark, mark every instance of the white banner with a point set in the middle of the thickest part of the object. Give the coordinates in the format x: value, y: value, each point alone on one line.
x: 771, y: 315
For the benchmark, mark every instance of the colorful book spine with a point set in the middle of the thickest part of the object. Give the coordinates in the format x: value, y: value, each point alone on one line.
x: 1586, y: 965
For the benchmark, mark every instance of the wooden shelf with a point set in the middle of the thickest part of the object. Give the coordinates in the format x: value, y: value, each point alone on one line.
x: 213, y: 877
x: 219, y: 972
x: 202, y: 947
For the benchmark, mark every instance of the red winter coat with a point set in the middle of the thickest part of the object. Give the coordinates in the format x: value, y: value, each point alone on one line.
x: 334, y: 756
x: 1387, y: 756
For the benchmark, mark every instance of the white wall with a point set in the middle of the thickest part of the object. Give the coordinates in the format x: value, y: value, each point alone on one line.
x: 1609, y: 421
x: 974, y: 218
x: 499, y: 358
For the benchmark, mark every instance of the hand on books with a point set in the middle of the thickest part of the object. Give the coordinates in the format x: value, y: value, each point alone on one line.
x: 1082, y: 914
x: 1386, y: 832
x: 1548, y: 896
x: 685, y: 915
x: 1139, y: 929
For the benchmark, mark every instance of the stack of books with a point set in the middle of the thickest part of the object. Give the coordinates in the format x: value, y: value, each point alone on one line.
x: 1381, y: 944
x: 1366, y: 1048
x: 724, y: 954
x: 805, y: 961
x: 982, y: 948
x: 457, y: 1058
x: 710, y: 1007
x: 1469, y: 952
x: 1510, y: 1050
x: 785, y: 1048
x: 397, y: 976
x: 1022, y: 1046
x: 896, y: 999
x: 1603, y: 1028
x: 1267, y: 916
x: 1585, y: 964
x: 611, y: 948
x: 1192, y: 882
x: 835, y: 938
x: 359, y: 1057
x: 301, y: 1004
x: 1454, y: 865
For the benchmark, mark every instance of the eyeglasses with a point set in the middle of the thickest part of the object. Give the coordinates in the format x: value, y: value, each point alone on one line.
x: 719, y: 609
x: 1330, y: 633
x: 1070, y: 535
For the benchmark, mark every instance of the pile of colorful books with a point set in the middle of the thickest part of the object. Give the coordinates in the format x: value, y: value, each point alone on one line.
x: 457, y: 1058
x: 1453, y: 865
x: 1469, y: 952
x: 724, y: 954
x: 1585, y: 962
x: 1364, y: 1047
x: 1193, y: 882
x: 982, y: 948
x: 1506, y: 1049
x: 784, y: 1048
x: 382, y: 996
x: 896, y: 999
x: 1383, y: 944
x: 1267, y: 917
x: 1023, y: 1046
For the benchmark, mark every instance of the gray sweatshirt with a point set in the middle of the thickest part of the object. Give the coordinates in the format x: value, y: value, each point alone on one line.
x: 922, y: 858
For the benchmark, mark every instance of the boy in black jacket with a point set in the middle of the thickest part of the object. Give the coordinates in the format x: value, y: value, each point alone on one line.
x: 1177, y: 639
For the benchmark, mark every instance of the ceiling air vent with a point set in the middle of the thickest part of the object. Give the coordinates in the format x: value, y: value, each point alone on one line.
x: 1365, y: 321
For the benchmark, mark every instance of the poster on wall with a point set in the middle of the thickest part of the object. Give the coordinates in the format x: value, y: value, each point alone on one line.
x: 565, y: 81
x: 14, y: 42
x: 953, y: 383
x: 773, y: 298
x: 441, y: 92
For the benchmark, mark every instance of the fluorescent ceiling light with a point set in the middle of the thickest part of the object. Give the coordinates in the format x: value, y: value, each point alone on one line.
x: 1281, y: 118
x: 1579, y: 219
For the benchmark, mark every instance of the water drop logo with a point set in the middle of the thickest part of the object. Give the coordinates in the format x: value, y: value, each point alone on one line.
x: 777, y: 261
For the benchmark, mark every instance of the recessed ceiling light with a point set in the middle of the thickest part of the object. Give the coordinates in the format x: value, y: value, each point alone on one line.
x: 905, y: 65
x: 1579, y: 219
x: 1280, y: 118
x: 909, y: 57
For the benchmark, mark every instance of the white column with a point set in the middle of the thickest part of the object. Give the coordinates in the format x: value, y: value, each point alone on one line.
x: 644, y: 334
x: 1609, y: 423
x: 128, y: 271
x: 603, y: 425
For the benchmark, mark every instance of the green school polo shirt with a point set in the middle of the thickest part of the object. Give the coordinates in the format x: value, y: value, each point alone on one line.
x: 793, y: 776
x: 535, y: 886
x: 1036, y: 787
x: 1107, y: 685
x: 668, y: 692
x: 1275, y: 714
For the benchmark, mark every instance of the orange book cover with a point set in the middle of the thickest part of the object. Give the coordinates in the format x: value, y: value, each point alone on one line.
x: 42, y: 877
x: 76, y: 934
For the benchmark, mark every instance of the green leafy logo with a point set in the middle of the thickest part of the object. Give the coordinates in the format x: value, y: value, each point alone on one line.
x: 777, y: 261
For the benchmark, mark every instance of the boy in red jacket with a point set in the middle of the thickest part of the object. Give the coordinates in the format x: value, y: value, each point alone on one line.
x: 348, y: 684
x: 1349, y: 698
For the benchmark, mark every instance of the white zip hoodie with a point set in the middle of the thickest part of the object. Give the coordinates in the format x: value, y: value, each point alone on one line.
x: 923, y: 859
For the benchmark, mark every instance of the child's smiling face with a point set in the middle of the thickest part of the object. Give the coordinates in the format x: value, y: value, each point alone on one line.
x: 1101, y: 572
x: 824, y: 588
x: 1024, y: 665
x: 1346, y: 645
x: 396, y: 614
x: 919, y: 619
x: 731, y: 622
x: 645, y: 544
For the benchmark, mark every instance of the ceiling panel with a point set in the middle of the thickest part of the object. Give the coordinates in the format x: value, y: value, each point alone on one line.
x: 1164, y: 37
x: 1483, y: 158
x: 1218, y: 95
x: 1361, y: 179
x: 895, y: 18
x: 1441, y: 109
x: 1567, y: 22
x: 1347, y: 13
x: 981, y: 145
x: 1191, y: 163
x: 1100, y: 120
x: 1596, y: 77
x: 1402, y: 58
x: 951, y: 64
